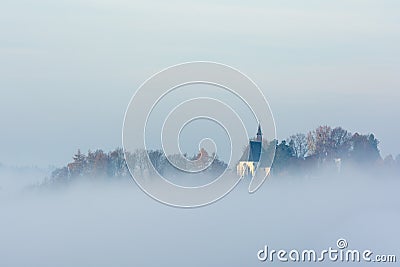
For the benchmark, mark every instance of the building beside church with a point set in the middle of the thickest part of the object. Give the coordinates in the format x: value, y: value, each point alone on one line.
x: 251, y: 156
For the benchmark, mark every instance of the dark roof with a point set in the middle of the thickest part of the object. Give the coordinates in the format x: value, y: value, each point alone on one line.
x: 252, y: 152
x: 259, y: 130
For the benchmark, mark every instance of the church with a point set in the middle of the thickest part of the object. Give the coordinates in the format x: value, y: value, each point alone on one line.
x: 251, y: 156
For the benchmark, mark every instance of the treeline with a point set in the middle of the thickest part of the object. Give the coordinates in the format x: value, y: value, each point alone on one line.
x: 99, y: 164
x: 334, y: 148
x: 322, y: 148
x: 94, y: 164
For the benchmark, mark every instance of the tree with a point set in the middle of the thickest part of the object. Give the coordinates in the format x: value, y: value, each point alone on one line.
x: 364, y: 149
x: 319, y: 142
x: 341, y: 142
x: 77, y: 167
x: 217, y: 167
x: 142, y: 163
x: 284, y: 155
x: 90, y: 160
x: 100, y: 163
x: 60, y: 175
x: 327, y: 143
x: 79, y: 157
x: 117, y: 165
x: 157, y: 159
x: 298, y: 143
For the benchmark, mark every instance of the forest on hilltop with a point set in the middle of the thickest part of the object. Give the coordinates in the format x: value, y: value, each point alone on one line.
x: 322, y: 148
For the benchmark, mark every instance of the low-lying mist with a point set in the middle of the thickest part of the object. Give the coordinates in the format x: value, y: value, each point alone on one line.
x: 113, y: 223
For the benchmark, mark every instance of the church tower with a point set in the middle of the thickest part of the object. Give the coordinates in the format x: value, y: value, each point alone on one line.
x: 259, y: 134
x: 250, y: 159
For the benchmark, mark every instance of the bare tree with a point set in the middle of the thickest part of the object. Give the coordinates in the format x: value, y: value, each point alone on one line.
x: 340, y: 142
x: 320, y: 141
x: 298, y: 142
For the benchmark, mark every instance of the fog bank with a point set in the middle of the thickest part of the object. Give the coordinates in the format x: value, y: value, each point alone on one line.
x: 116, y: 224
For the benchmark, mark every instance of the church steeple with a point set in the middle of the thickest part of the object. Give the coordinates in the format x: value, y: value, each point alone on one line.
x: 259, y: 134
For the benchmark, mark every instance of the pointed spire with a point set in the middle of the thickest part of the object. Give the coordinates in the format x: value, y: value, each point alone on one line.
x: 259, y: 133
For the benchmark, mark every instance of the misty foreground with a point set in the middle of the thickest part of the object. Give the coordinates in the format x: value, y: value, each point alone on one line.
x: 113, y: 223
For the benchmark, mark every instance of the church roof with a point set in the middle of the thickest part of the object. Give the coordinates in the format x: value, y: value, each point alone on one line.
x: 252, y: 152
x: 259, y: 130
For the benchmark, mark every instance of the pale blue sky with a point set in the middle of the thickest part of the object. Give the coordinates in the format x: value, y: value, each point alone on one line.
x: 69, y: 68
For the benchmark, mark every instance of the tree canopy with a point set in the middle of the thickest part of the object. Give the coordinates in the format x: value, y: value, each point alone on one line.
x: 300, y: 153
